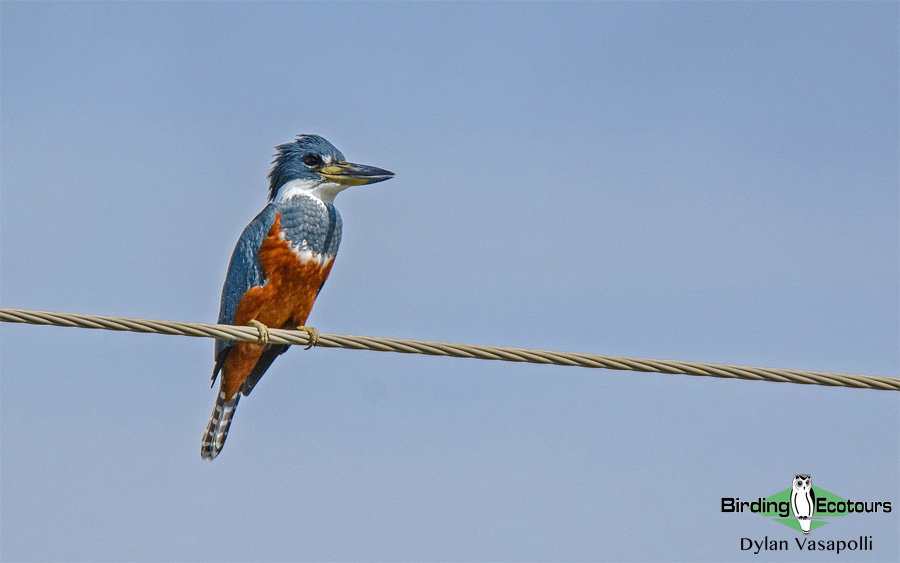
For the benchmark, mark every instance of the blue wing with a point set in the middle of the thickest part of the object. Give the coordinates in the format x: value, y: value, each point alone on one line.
x: 244, y: 272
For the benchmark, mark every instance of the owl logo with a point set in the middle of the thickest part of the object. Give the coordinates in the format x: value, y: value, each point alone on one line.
x: 803, y: 501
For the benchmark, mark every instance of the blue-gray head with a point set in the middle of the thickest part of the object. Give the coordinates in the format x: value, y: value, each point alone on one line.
x: 317, y: 164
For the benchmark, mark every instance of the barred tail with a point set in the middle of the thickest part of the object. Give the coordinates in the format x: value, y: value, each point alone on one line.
x: 217, y: 429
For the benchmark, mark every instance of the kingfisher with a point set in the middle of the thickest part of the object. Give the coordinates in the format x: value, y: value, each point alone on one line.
x: 278, y: 267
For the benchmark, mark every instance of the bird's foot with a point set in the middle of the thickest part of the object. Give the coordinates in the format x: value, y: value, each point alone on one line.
x: 313, y: 335
x: 263, y: 338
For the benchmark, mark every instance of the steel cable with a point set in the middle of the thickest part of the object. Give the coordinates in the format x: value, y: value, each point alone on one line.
x: 478, y: 351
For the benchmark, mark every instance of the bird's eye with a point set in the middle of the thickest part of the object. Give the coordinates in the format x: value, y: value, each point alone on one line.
x: 311, y: 159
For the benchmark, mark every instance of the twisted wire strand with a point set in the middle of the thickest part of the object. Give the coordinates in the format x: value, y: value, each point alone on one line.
x: 478, y: 351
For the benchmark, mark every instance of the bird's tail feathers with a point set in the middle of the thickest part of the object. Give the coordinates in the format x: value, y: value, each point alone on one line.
x: 217, y: 429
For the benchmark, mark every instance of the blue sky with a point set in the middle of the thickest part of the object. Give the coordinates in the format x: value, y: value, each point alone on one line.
x: 699, y: 181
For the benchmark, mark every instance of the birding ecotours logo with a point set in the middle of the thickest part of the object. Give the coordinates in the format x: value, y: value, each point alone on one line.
x: 803, y: 506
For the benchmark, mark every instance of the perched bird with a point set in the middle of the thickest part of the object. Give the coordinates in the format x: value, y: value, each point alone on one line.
x: 279, y: 265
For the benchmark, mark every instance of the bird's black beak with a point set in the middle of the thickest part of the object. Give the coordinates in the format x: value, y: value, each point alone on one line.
x: 349, y: 174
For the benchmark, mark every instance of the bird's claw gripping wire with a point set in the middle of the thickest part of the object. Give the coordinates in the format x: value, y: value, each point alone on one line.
x: 313, y: 335
x: 263, y: 338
